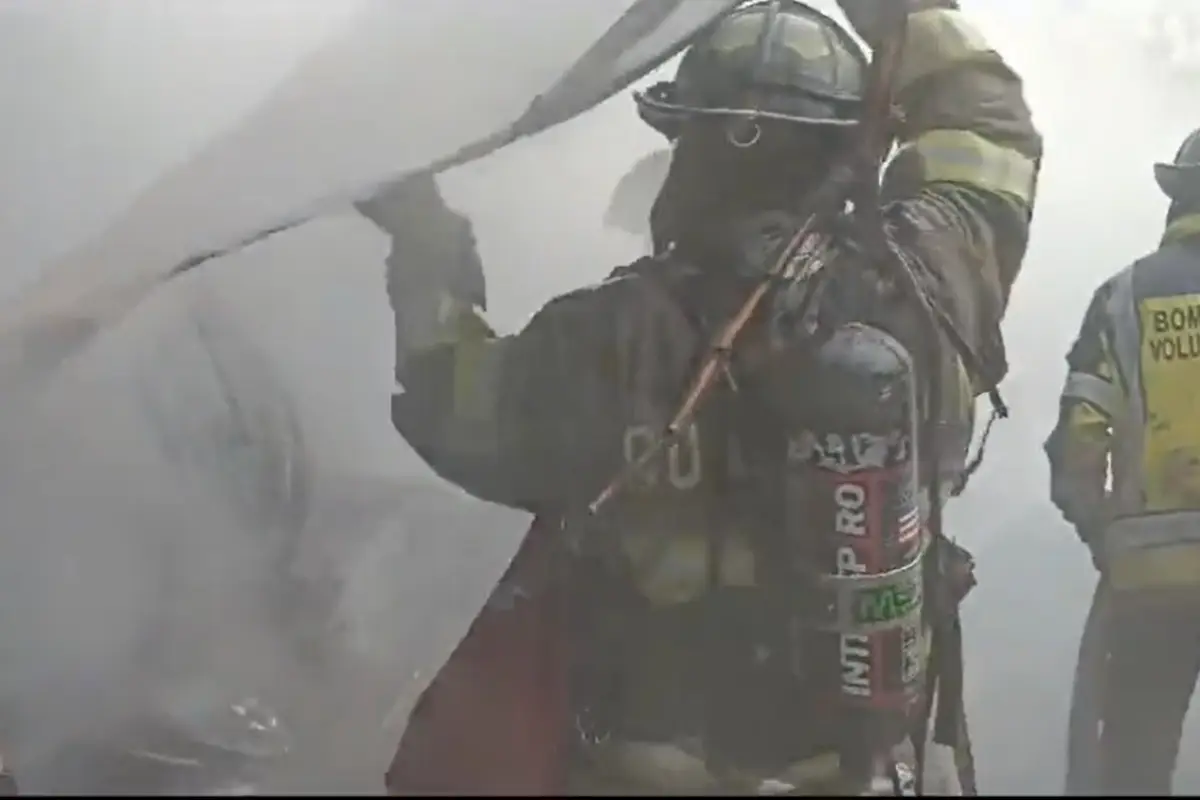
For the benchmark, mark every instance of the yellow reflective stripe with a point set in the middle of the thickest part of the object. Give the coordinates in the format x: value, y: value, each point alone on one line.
x: 471, y: 421
x: 1171, y: 567
x: 471, y: 425
x: 438, y: 321
x: 468, y: 358
x: 1093, y: 389
x: 936, y: 39
x: 1183, y: 228
x: 1078, y: 454
x: 953, y: 156
x: 476, y: 379
x: 1154, y: 551
x: 463, y: 327
x: 1148, y: 532
x: 1087, y: 426
x: 459, y: 322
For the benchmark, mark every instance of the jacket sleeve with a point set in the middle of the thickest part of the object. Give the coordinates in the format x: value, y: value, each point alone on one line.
x: 487, y: 412
x: 484, y: 411
x: 963, y: 179
x: 1093, y: 396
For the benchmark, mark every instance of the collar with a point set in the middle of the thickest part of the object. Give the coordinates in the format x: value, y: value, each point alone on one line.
x: 1182, y: 229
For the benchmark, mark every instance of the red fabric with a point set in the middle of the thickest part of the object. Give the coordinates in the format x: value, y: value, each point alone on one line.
x: 496, y: 719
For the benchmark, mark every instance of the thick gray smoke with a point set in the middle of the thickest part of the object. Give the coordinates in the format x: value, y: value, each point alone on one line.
x: 126, y: 576
x: 130, y: 572
x: 122, y: 572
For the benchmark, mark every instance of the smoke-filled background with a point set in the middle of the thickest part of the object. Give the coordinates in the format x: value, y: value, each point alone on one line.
x: 139, y: 559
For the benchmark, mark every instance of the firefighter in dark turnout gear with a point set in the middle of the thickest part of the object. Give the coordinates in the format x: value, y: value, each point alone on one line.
x: 1128, y: 406
x: 704, y: 655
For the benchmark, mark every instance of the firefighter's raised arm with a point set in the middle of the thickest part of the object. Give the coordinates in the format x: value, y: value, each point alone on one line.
x: 476, y: 406
x: 961, y: 186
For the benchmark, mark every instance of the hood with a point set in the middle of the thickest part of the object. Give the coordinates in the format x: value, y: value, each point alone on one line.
x: 631, y: 202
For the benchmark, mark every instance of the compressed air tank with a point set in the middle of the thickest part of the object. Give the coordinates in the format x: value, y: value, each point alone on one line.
x: 857, y: 539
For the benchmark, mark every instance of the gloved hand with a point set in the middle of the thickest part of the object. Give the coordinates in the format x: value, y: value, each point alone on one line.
x: 434, y: 259
x: 872, y: 19
x: 429, y: 238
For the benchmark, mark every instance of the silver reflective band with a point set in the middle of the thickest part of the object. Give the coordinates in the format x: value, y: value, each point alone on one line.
x: 1128, y: 429
x: 954, y: 156
x: 1147, y: 532
x: 863, y: 605
x: 1095, y: 390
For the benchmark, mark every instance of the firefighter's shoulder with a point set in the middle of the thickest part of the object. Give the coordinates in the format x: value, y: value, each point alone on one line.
x: 607, y: 295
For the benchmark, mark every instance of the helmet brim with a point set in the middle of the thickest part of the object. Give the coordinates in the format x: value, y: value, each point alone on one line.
x: 805, y: 112
x: 1178, y: 181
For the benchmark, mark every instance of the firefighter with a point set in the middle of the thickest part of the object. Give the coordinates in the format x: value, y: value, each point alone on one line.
x: 1128, y: 408
x: 701, y: 661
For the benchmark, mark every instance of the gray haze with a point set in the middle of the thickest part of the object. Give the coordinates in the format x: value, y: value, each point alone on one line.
x: 136, y: 131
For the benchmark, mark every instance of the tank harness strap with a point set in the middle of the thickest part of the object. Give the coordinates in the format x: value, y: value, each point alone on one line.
x: 945, y: 656
x: 999, y: 411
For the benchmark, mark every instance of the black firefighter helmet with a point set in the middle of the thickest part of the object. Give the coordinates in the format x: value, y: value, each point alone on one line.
x: 769, y: 59
x: 1180, y: 180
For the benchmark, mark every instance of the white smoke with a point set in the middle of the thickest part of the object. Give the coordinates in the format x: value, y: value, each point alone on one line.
x: 105, y: 546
